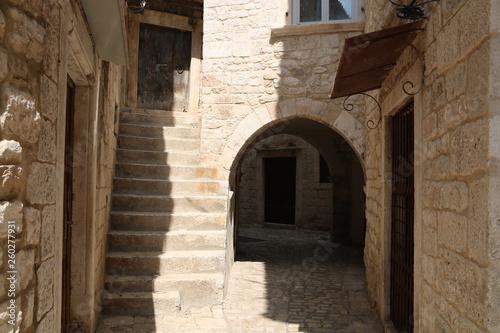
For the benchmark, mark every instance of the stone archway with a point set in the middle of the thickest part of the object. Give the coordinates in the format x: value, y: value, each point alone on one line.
x: 332, y: 143
x: 266, y: 121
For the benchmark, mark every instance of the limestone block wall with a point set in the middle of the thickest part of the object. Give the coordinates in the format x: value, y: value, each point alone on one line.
x: 317, y: 205
x: 38, y: 48
x: 456, y: 169
x: 257, y: 70
x: 314, y: 200
x: 28, y: 164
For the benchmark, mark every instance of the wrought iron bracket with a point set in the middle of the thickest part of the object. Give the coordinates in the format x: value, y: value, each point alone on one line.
x: 407, y: 87
x: 413, y: 11
x: 135, y: 6
x: 409, y: 83
x: 371, y: 124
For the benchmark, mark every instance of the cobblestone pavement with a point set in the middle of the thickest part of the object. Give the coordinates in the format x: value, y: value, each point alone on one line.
x: 282, y: 281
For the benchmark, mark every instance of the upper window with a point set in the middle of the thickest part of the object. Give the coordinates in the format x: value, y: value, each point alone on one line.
x: 308, y: 11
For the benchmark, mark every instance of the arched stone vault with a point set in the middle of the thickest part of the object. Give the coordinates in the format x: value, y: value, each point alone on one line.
x: 269, y: 121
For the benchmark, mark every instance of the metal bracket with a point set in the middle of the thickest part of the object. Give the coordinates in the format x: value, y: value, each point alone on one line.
x: 135, y: 6
x: 371, y: 124
x: 413, y: 11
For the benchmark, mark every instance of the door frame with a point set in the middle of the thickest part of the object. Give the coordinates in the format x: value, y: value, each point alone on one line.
x: 82, y: 65
x: 166, y: 20
x: 68, y: 203
x: 260, y: 172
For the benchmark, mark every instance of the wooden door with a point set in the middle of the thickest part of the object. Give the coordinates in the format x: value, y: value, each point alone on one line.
x: 279, y: 190
x: 68, y: 207
x: 402, y: 228
x: 163, y: 68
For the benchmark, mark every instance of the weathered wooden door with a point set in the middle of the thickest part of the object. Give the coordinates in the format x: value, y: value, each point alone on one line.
x: 68, y: 207
x: 279, y: 190
x: 164, y: 64
x: 402, y: 244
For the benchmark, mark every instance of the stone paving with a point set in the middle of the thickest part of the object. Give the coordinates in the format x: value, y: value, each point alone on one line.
x: 282, y: 281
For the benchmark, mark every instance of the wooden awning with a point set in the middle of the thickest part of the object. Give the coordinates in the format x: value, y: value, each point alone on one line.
x: 367, y: 59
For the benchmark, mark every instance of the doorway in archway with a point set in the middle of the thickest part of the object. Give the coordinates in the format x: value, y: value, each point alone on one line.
x: 279, y: 190
x: 303, y: 171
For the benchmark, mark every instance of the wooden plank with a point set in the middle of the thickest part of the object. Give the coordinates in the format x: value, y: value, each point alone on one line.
x: 191, y: 8
x: 367, y: 59
x: 167, y: 20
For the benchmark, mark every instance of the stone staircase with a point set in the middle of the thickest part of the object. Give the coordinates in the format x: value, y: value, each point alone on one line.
x: 166, y: 243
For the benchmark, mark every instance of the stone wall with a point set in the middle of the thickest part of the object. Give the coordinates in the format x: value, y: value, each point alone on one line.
x: 35, y: 43
x: 314, y: 199
x: 456, y: 182
x: 254, y: 73
x: 111, y: 93
x: 27, y: 155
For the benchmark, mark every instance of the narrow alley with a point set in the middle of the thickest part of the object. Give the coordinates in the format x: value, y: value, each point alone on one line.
x: 281, y: 281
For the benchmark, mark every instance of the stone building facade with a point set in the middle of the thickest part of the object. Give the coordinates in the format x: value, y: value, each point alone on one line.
x: 43, y: 46
x: 255, y: 75
x: 455, y: 168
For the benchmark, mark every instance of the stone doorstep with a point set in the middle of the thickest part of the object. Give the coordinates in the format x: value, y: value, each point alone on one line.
x: 124, y: 185
x: 163, y: 221
x: 169, y: 120
x: 159, y: 131
x: 160, y: 263
x: 141, y: 303
x: 171, y: 172
x: 166, y: 203
x: 196, y: 289
x: 137, y: 110
x: 145, y: 157
x: 166, y: 241
x: 149, y: 283
x: 158, y: 144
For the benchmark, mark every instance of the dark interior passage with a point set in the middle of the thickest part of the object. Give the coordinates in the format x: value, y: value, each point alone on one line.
x: 280, y: 175
x: 319, y: 188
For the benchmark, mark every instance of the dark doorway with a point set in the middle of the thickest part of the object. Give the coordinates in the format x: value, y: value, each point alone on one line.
x: 279, y: 189
x: 164, y: 64
x: 68, y: 206
x: 402, y: 220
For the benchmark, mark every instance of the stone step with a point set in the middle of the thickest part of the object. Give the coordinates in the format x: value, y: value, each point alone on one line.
x: 156, y: 157
x: 161, y: 241
x: 161, y: 263
x: 168, y: 187
x: 171, y: 172
x: 194, y: 289
x: 159, y: 131
x: 167, y: 120
x: 141, y: 303
x: 163, y: 203
x: 158, y: 144
x: 159, y: 112
x: 167, y: 221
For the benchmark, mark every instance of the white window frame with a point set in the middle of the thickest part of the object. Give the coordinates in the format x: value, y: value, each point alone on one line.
x: 325, y: 12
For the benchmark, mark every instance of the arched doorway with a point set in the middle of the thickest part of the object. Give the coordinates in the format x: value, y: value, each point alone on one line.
x: 312, y: 146
x: 303, y: 276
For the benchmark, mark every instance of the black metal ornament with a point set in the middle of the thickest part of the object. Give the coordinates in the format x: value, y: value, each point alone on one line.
x: 135, y: 6
x: 413, y: 11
